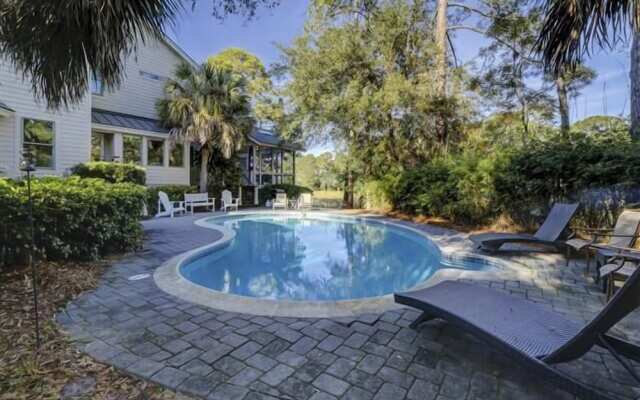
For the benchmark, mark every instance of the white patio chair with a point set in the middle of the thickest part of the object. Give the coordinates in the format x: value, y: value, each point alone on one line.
x: 168, y: 208
x: 228, y: 201
x: 305, y: 201
x: 280, y: 201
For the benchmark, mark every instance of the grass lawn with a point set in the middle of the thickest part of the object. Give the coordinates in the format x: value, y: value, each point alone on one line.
x: 327, y: 198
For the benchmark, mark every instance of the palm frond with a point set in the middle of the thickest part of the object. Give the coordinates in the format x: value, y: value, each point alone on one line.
x: 53, y: 41
x: 572, y: 28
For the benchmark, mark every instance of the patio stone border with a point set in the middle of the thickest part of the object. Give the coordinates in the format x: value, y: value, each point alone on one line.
x: 169, y: 278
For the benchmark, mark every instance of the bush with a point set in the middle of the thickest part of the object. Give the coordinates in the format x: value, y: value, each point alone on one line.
x: 111, y: 172
x: 175, y: 193
x: 74, y: 218
x: 268, y: 192
x: 602, y: 175
x: 372, y: 194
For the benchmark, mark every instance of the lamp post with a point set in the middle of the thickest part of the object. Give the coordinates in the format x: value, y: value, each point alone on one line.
x: 27, y: 165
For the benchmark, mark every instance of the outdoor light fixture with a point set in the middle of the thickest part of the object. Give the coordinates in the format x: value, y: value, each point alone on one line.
x: 27, y: 165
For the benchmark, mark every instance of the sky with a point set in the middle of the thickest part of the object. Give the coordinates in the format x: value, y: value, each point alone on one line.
x: 201, y: 35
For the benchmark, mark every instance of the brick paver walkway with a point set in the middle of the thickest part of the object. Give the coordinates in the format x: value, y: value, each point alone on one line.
x: 212, y: 354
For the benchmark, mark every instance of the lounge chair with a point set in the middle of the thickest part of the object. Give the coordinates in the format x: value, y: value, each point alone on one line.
x: 305, y: 201
x: 228, y: 201
x: 623, y: 234
x: 168, y: 208
x: 531, y: 335
x: 548, y: 234
x: 619, y: 268
x: 280, y: 201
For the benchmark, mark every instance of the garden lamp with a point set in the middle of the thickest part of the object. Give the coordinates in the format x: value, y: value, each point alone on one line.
x: 27, y: 165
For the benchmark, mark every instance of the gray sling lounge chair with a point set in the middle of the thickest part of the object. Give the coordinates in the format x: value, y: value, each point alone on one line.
x: 548, y: 234
x: 529, y: 334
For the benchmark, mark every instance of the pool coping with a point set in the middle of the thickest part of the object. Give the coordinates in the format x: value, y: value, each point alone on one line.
x: 169, y: 279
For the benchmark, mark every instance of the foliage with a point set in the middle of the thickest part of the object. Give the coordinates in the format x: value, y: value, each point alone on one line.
x: 317, y: 172
x: 557, y: 170
x: 372, y: 195
x: 210, y: 107
x: 77, y: 218
x: 111, y: 172
x: 367, y: 84
x: 268, y: 192
x: 175, y: 193
x: 95, y: 34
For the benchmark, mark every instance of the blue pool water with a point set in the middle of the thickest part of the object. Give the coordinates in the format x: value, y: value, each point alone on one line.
x: 317, y: 258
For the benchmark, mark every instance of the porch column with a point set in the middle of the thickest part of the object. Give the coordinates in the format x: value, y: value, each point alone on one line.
x: 143, y: 151
x: 294, y: 167
x: 240, y: 195
x: 117, y: 147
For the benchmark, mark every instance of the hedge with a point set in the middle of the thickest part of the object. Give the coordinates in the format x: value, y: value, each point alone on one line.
x: 111, y: 172
x: 74, y: 218
x: 175, y: 193
x: 268, y: 192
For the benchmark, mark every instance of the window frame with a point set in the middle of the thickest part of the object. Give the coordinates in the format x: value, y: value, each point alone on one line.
x: 184, y: 159
x: 163, y: 143
x: 140, y: 149
x: 52, y: 145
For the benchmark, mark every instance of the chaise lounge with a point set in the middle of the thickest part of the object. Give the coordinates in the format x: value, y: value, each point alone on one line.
x: 528, y: 333
x: 549, y: 233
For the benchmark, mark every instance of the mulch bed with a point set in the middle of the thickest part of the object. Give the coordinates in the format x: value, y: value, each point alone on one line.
x: 27, y: 374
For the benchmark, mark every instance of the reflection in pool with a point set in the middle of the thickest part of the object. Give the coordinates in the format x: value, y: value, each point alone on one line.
x: 317, y: 258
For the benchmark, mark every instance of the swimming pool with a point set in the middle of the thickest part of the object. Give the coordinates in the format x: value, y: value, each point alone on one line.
x: 315, y: 257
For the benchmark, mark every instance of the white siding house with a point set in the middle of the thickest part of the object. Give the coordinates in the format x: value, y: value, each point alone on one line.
x: 119, y: 125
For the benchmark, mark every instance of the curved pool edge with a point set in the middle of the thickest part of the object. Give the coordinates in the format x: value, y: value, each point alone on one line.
x: 169, y: 278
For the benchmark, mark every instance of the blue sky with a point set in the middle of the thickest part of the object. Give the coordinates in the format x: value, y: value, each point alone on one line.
x: 201, y: 35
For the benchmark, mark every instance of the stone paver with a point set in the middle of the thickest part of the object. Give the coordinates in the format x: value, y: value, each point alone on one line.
x: 213, y: 354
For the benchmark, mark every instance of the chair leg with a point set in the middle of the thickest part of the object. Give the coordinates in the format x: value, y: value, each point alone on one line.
x: 564, y: 381
x: 424, y: 317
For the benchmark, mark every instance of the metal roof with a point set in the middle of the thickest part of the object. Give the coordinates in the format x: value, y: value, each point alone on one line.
x: 5, y: 107
x: 128, y: 121
x: 259, y: 136
x: 270, y: 138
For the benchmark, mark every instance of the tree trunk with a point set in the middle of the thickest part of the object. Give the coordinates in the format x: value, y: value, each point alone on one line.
x: 441, y: 66
x: 348, y: 193
x: 205, y: 154
x: 634, y: 76
x: 563, y: 105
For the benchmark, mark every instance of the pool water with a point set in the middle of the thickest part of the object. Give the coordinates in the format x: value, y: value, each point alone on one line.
x: 317, y: 258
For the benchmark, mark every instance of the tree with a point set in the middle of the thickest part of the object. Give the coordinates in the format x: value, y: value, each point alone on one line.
x: 210, y: 107
x: 569, y: 83
x: 54, y: 41
x: 570, y: 29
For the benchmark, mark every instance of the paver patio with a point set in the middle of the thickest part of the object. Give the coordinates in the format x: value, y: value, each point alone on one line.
x: 213, y: 354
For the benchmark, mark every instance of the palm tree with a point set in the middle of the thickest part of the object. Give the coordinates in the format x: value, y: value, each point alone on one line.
x: 572, y: 27
x: 54, y: 41
x: 209, y: 106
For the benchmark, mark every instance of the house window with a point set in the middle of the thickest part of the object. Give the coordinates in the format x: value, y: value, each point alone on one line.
x: 151, y: 76
x: 132, y: 149
x: 37, y: 140
x: 176, y: 156
x: 155, y: 152
x: 97, y: 86
x: 96, y: 146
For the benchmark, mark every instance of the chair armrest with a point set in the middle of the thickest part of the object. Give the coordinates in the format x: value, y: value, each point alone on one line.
x: 591, y: 230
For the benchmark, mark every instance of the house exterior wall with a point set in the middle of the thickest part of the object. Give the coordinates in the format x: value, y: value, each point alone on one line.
x: 72, y: 127
x: 138, y: 94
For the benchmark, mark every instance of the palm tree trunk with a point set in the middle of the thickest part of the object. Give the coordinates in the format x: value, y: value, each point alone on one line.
x: 634, y: 76
x: 563, y: 106
x: 205, y: 155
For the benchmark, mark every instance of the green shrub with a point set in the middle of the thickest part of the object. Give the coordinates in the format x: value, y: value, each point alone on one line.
x: 268, y: 192
x: 111, y: 172
x: 175, y: 193
x: 372, y: 194
x: 601, y: 174
x: 74, y: 218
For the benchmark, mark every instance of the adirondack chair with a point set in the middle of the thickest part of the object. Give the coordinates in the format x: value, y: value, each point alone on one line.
x: 280, y: 201
x: 168, y: 208
x: 305, y: 201
x: 228, y: 201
